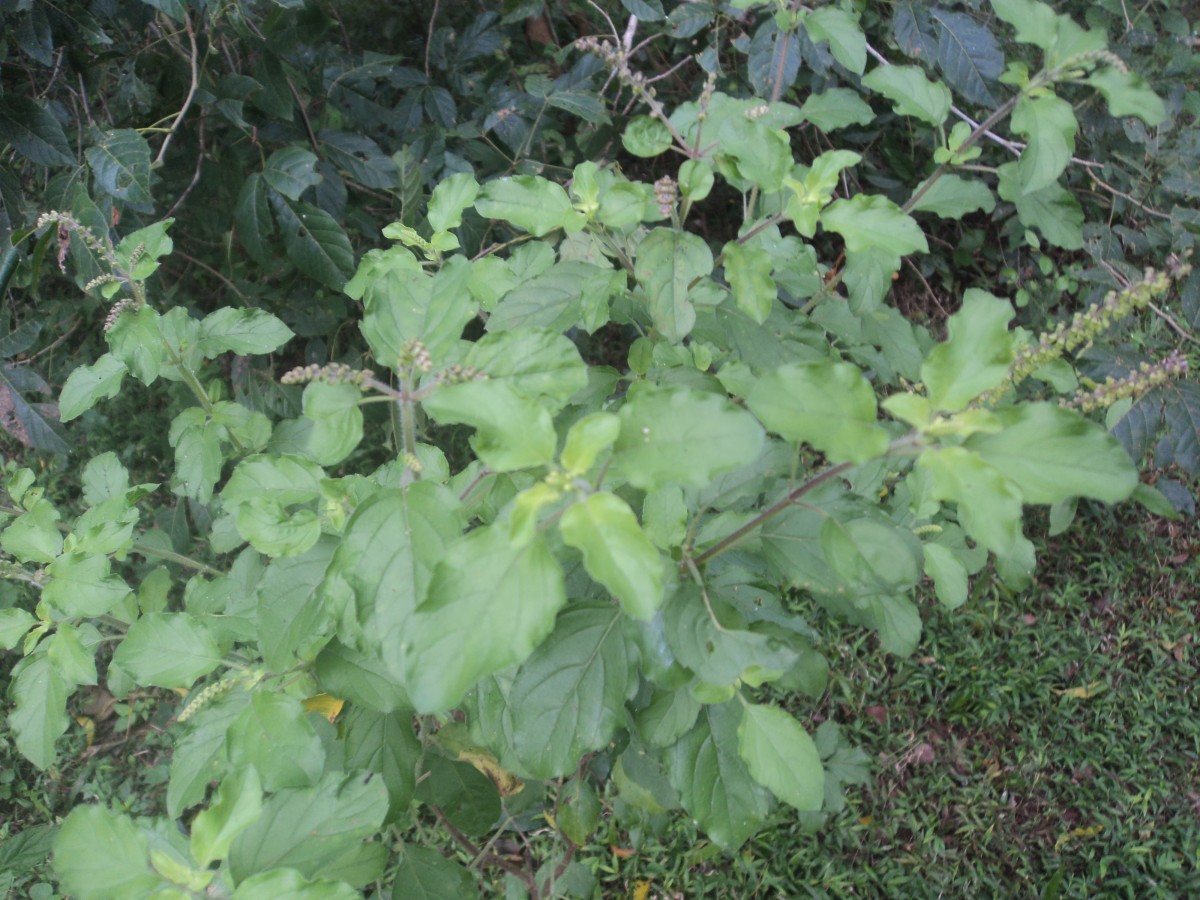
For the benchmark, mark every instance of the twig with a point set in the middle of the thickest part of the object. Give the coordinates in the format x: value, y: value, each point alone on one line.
x: 191, y: 94
x: 206, y: 267
x: 1179, y: 329
x: 195, y: 175
x: 47, y: 349
x: 429, y: 37
x: 630, y: 31
x: 467, y: 844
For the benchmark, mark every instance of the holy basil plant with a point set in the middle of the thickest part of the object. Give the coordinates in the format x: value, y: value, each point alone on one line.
x: 608, y: 596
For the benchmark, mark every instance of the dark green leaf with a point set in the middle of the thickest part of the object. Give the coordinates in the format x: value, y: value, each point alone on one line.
x: 315, y: 242
x: 120, y: 162
x: 425, y: 874
x: 33, y: 132
x: 467, y: 798
x: 968, y: 55
x: 385, y: 743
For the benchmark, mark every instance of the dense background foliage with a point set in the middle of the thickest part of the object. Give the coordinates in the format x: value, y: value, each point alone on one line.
x: 622, y: 214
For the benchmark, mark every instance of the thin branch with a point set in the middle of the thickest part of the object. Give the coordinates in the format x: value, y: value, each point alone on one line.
x: 191, y: 94
x: 1179, y: 329
x: 429, y: 37
x: 206, y: 267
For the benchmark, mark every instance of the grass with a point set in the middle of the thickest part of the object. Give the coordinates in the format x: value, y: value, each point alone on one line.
x: 1044, y: 743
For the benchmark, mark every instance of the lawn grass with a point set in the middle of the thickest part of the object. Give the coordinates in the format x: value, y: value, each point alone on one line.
x: 1046, y: 743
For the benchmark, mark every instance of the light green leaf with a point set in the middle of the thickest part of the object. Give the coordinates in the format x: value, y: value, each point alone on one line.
x: 104, y: 477
x: 317, y: 831
x: 528, y: 201
x: 667, y: 262
x: 870, y: 221
x: 989, y: 505
x: 449, y: 199
x: 237, y: 805
x: 39, y: 714
x: 100, y: 854
x: 828, y: 405
x: 120, y: 162
x: 76, y: 663
x: 511, y: 431
x: 170, y: 650
x: 291, y: 171
x: 82, y: 584
x: 1053, y: 210
x: 567, y: 294
x: 539, y: 364
x: 14, y: 622
x: 1128, y: 95
x: 568, y: 698
x: 975, y: 355
x: 748, y: 270
x: 87, y: 384
x: 753, y: 151
x: 713, y: 781
x: 286, y: 479
x: 616, y: 552
x: 587, y: 439
x: 273, y: 530
x: 134, y: 340
x: 243, y: 331
x: 281, y: 883
x: 198, y: 454
x: 1052, y: 453
x: 646, y: 136
x: 34, y: 537
x: 337, y: 420
x: 953, y: 197
x: 911, y: 93
x: 199, y: 756
x: 488, y: 606
x: 948, y: 573
x: 682, y: 436
x: 273, y: 736
x: 314, y: 241
x: 781, y: 756
x: 1034, y: 21
x: 139, y: 251
x: 836, y: 108
x: 1049, y: 125
x: 840, y: 28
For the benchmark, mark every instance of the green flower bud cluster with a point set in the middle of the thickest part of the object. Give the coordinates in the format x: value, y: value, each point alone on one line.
x: 1083, y: 328
x: 212, y: 692
x: 1136, y: 383
x: 68, y: 225
x: 415, y: 355
x: 666, y: 192
x: 457, y: 374
x: 331, y: 373
x: 618, y: 61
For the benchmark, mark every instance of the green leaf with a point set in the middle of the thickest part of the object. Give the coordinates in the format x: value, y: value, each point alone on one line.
x: 139, y: 251
x: 384, y: 743
x: 989, y: 505
x: 242, y: 331
x: 39, y: 715
x: 646, y: 136
x: 337, y: 420
x: 968, y: 54
x: 670, y: 714
x: 646, y: 10
x: 748, y: 270
x: 76, y: 663
x: 88, y: 384
x: 272, y: 530
x: 34, y: 537
x: 468, y: 799
x: 578, y: 810
x: 1049, y: 125
x: 170, y: 650
x: 292, y: 171
x: 781, y: 756
x: 317, y: 830
x: 713, y: 781
x: 911, y: 93
x: 511, y: 431
x: 286, y: 479
x: 540, y: 364
x: 360, y: 678
x: 828, y: 405
x: 273, y: 735
x: 953, y: 197
x: 975, y: 355
x: 948, y: 573
x: 449, y: 199
x: 870, y: 221
x: 836, y: 108
x: 682, y: 436
x: 237, y: 805
x: 104, y: 478
x: 568, y: 698
x: 846, y: 40
x: 616, y: 552
x: 314, y: 241
x: 425, y: 874
x: 291, y: 884
x: 753, y: 151
x: 134, y: 340
x: 1053, y: 210
x: 569, y: 293
x: 667, y: 263
x: 198, y: 454
x: 1035, y: 22
x: 100, y: 854
x: 1128, y: 94
x: 82, y: 584
x: 587, y: 439
x: 120, y: 161
x: 33, y: 132
x: 489, y: 605
x: 14, y: 622
x: 528, y: 201
x: 1052, y: 453
x: 252, y: 218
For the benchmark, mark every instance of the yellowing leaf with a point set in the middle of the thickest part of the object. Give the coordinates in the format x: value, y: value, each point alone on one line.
x: 506, y: 782
x: 641, y: 889
x: 325, y: 704
x: 1083, y: 693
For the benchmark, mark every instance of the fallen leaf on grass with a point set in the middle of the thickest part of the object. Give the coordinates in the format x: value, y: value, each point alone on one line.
x: 1082, y: 693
